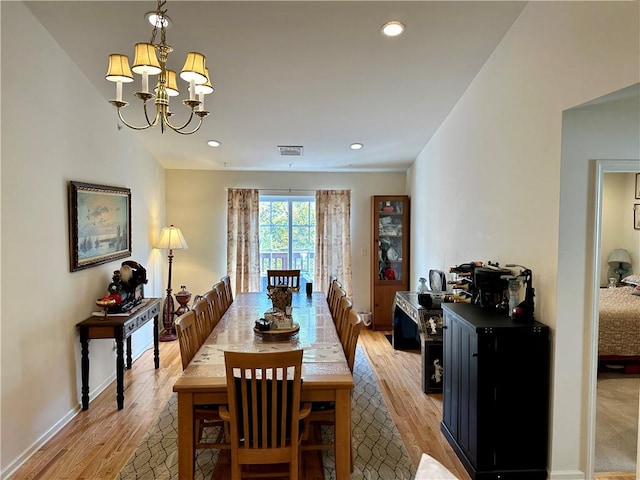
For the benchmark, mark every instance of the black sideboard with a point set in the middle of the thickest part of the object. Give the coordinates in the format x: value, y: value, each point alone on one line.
x: 496, y: 393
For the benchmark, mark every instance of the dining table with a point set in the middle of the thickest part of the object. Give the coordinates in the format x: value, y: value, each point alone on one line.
x: 326, y: 376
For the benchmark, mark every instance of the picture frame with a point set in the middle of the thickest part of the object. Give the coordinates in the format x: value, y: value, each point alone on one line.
x: 99, y: 224
x: 636, y: 216
x: 638, y: 186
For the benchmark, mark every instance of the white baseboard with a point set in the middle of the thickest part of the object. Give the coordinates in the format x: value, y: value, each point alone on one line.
x: 567, y: 475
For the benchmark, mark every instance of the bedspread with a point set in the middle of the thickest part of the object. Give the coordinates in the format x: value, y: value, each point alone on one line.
x: 619, y: 327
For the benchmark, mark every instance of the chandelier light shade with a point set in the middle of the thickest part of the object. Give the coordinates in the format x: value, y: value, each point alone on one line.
x: 145, y: 60
x: 172, y: 85
x: 204, y: 89
x: 151, y: 59
x: 119, y: 70
x: 193, y: 70
x: 171, y: 239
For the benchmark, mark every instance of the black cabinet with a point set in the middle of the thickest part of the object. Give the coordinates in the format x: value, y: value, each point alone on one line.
x: 496, y: 393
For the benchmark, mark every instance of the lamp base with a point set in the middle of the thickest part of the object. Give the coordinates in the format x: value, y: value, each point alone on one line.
x: 167, y: 337
x: 168, y: 309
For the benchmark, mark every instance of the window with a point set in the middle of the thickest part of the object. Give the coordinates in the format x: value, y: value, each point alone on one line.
x: 287, y: 236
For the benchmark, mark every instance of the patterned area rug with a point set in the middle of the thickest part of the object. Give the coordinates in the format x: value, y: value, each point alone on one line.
x: 378, y: 448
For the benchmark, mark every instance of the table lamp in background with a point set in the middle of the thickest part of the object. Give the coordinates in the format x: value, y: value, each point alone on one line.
x: 171, y: 239
x: 620, y: 262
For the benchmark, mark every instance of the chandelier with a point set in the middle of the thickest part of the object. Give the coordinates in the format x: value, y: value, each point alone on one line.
x: 150, y: 59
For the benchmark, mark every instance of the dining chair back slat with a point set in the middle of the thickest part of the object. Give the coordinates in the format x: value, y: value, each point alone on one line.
x: 290, y: 278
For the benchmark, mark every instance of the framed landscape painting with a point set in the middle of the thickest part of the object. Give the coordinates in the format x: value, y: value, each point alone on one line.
x: 99, y: 224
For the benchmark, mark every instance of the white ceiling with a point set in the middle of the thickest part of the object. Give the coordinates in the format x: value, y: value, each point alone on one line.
x: 316, y: 74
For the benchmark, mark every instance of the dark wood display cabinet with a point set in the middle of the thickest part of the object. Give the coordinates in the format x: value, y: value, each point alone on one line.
x: 389, y: 255
x: 496, y: 393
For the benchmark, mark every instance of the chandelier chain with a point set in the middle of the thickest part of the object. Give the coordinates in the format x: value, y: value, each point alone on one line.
x: 160, y: 16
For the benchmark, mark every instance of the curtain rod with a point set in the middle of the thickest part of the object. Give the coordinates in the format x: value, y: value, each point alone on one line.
x: 287, y: 190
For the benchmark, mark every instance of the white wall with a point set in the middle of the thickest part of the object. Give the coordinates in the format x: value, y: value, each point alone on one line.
x: 494, y: 176
x: 606, y: 130
x: 55, y: 128
x: 196, y: 202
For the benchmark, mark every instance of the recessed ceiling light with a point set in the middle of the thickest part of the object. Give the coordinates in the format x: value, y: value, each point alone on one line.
x: 213, y: 143
x: 393, y: 28
x: 356, y: 146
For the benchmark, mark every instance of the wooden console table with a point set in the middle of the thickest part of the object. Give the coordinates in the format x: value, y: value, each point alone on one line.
x: 413, y: 329
x: 119, y: 328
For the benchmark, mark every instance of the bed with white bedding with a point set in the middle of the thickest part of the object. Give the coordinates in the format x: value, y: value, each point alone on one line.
x: 619, y: 325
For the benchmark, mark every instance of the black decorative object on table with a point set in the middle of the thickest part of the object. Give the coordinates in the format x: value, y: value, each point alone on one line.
x: 126, y: 289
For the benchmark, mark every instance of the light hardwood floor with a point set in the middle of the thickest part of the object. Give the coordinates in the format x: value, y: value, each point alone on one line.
x: 97, y: 443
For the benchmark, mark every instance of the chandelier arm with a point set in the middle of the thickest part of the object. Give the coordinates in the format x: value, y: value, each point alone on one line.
x: 133, y: 126
x: 175, y: 128
x: 180, y: 129
x: 146, y: 116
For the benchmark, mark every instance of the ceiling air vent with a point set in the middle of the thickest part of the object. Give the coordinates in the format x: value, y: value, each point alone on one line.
x: 291, y: 150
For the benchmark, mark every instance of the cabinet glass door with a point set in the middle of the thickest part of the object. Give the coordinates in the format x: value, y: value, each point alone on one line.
x: 390, y: 232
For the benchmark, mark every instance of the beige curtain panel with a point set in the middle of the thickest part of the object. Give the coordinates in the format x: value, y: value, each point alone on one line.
x: 333, y: 239
x: 243, y: 239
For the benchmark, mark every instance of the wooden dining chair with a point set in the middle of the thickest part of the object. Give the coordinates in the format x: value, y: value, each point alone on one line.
x: 290, y: 278
x: 205, y: 416
x: 336, y: 293
x: 332, y: 278
x: 264, y: 411
x: 323, y: 413
x: 214, y: 306
x: 353, y: 326
x: 228, y: 293
x: 204, y: 324
x: 330, y: 292
x: 342, y: 316
x: 188, y: 339
x: 222, y: 297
